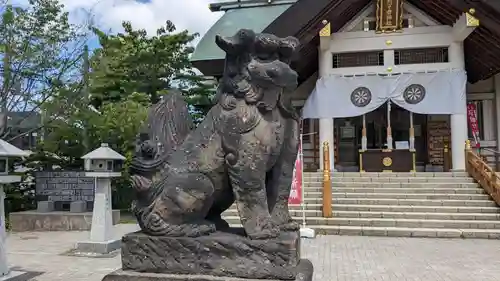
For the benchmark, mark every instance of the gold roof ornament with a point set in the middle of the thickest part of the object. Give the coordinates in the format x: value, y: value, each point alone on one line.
x: 471, y: 20
x: 326, y: 31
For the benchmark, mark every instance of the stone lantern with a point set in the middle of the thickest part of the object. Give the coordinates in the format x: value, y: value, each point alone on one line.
x: 7, y: 152
x: 103, y: 164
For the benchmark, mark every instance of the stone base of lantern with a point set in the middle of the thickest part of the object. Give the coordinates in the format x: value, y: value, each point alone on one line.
x: 96, y: 249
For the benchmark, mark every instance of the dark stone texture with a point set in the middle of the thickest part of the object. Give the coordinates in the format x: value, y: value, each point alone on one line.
x: 304, y: 269
x: 244, y: 150
x: 219, y: 254
x: 54, y: 221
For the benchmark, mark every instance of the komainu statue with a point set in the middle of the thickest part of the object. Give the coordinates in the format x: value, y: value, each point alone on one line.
x: 243, y: 151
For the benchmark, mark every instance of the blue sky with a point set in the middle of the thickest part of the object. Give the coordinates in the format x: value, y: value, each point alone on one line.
x: 108, y: 15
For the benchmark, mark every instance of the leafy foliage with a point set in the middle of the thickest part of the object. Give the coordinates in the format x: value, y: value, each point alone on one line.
x: 88, y: 101
x: 41, y: 51
x: 116, y: 123
x: 134, y: 62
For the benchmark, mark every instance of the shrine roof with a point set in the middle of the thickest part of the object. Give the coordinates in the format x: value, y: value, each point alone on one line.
x: 209, y: 58
x: 304, y: 19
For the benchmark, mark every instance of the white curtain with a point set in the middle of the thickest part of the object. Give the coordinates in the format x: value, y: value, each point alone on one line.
x: 440, y: 92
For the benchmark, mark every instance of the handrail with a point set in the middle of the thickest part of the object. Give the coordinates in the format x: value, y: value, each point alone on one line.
x: 482, y: 173
x: 494, y: 153
x: 490, y: 150
x: 327, y: 182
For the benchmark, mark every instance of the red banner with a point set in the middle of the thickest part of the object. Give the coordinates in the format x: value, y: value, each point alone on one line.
x: 296, y: 190
x: 473, y: 124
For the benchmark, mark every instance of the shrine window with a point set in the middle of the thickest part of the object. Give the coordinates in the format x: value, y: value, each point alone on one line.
x: 423, y: 55
x: 357, y: 59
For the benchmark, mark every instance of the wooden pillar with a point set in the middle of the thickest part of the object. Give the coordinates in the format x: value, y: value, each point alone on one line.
x: 364, y: 141
x: 446, y: 158
x: 327, y: 182
x: 389, y: 129
x: 412, y: 132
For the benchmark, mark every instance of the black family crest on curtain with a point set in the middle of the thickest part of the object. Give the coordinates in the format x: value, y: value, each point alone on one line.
x: 414, y: 93
x: 361, y: 96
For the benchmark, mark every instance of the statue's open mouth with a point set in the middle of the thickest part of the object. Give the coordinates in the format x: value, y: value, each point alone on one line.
x: 274, y: 73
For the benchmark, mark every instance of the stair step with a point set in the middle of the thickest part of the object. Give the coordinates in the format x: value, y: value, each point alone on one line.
x: 397, y: 208
x: 393, y: 215
x: 409, y: 208
x: 390, y: 175
x: 391, y: 222
x: 428, y: 190
x: 432, y: 196
x: 404, y: 231
x: 337, y: 201
x: 394, y: 184
x: 411, y: 202
x: 409, y: 232
x: 399, y: 195
x: 394, y: 179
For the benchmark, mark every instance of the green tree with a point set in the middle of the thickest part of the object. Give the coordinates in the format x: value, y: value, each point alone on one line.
x: 133, y: 61
x: 70, y: 121
x: 199, y: 92
x: 40, y: 51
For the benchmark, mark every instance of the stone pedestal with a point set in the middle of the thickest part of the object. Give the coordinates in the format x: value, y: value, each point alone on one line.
x: 219, y: 256
x: 45, y: 206
x: 304, y: 273
x: 102, y: 218
x: 78, y: 207
x: 4, y: 267
x: 101, y: 232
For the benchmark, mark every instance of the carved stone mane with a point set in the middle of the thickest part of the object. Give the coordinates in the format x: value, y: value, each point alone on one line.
x: 236, y: 83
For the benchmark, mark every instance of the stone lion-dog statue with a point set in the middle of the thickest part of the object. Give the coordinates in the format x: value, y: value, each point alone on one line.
x: 243, y: 151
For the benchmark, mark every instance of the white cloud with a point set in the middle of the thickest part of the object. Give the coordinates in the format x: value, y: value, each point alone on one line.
x: 192, y: 15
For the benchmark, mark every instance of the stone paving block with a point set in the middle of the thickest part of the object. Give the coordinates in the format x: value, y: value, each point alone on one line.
x: 45, y: 206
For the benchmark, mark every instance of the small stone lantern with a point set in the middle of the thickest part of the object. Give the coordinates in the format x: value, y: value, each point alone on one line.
x: 103, y: 164
x: 7, y: 151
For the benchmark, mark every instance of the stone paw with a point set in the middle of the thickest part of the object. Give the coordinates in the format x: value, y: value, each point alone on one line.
x: 290, y: 226
x: 267, y: 232
x: 201, y: 229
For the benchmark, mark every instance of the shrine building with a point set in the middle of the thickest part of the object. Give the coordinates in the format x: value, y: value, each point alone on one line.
x: 404, y: 80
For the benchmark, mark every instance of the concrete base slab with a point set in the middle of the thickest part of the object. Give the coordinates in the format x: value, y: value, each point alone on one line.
x: 96, y: 249
x: 54, y: 221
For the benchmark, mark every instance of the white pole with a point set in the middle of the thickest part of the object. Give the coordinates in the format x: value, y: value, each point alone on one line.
x: 302, y: 203
x: 301, y: 159
x: 4, y: 267
x: 304, y: 231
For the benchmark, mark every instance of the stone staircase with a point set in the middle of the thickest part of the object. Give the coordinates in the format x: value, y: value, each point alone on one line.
x: 447, y: 205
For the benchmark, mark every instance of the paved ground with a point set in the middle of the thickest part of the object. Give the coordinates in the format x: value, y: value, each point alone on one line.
x: 357, y: 258
x: 339, y: 258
